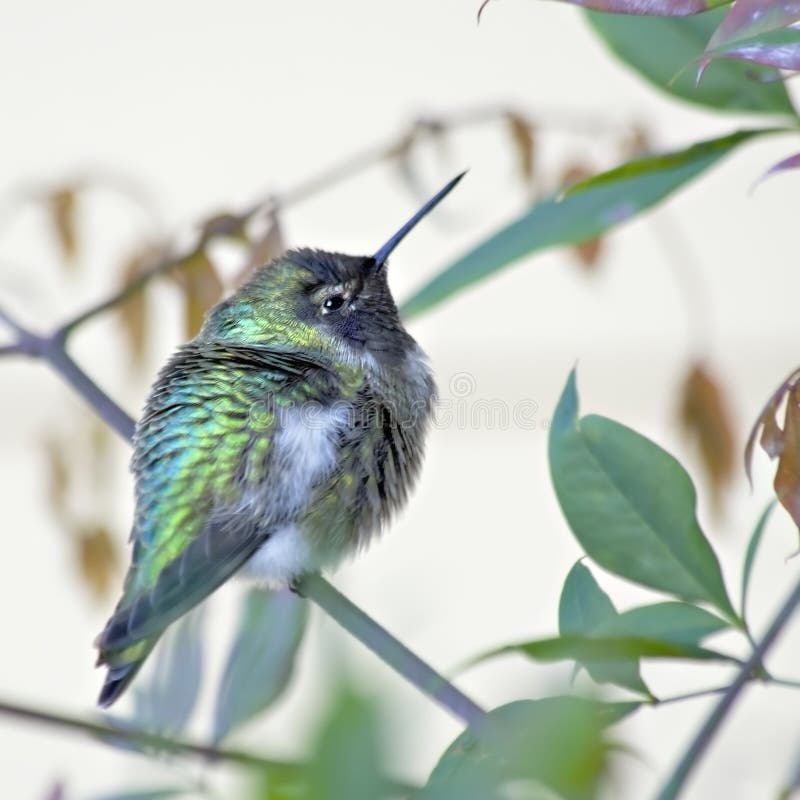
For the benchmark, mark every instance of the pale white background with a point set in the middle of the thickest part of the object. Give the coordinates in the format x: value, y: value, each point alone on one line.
x: 208, y: 106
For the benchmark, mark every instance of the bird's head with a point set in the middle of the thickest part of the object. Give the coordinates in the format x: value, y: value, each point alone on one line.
x: 316, y: 300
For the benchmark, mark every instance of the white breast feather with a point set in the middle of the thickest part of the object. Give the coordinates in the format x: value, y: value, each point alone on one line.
x: 304, y: 454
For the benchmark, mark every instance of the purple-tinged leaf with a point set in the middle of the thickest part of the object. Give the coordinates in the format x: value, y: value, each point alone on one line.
x: 660, y: 49
x: 748, y: 18
x: 779, y: 49
x: 793, y: 162
x: 642, y: 8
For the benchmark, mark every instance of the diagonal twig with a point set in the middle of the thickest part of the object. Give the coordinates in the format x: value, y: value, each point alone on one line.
x: 164, y: 744
x: 672, y: 788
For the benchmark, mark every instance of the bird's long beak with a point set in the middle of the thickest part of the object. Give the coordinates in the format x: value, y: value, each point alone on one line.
x: 380, y: 257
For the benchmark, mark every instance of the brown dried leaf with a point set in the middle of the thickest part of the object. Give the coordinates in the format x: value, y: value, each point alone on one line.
x: 637, y: 143
x: 587, y: 253
x: 201, y: 288
x: 97, y: 559
x: 270, y: 244
x: 766, y: 430
x: 62, y: 207
x: 787, y: 477
x: 523, y: 137
x: 57, y: 475
x: 98, y: 438
x: 771, y: 439
x: 706, y: 417
x: 133, y: 310
x: 225, y: 226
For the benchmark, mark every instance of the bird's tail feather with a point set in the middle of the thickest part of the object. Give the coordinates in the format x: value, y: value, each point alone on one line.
x: 122, y: 668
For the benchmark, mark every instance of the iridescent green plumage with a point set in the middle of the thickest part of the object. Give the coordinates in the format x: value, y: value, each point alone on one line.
x: 275, y: 443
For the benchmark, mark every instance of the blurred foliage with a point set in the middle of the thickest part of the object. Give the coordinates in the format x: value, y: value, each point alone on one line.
x: 69, y: 462
x: 62, y: 205
x: 256, y: 675
x: 165, y: 704
x: 629, y: 503
x: 346, y: 757
x: 558, y: 743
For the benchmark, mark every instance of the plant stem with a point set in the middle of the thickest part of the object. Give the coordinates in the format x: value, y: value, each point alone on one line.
x: 154, y: 741
x: 138, y: 737
x: 52, y: 350
x: 390, y: 650
x: 114, y: 416
x: 789, y: 683
x: 335, y: 604
x: 700, y: 743
x: 690, y: 695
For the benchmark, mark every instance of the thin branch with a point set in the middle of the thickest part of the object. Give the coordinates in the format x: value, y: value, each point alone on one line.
x: 160, y: 268
x: 335, y: 604
x: 789, y: 683
x: 51, y: 349
x: 153, y: 741
x: 114, y: 416
x: 390, y: 650
x: 702, y: 740
x: 677, y: 698
x: 140, y: 738
x: 10, y: 322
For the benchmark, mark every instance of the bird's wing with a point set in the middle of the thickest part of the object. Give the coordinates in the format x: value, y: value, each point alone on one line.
x: 203, y: 439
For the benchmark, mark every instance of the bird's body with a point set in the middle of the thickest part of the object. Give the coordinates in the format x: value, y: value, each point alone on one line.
x: 275, y: 443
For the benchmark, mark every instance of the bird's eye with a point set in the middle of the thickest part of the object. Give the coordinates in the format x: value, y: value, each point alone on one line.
x: 334, y: 302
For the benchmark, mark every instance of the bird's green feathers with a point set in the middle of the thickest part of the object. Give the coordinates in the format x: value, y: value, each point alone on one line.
x: 202, y: 445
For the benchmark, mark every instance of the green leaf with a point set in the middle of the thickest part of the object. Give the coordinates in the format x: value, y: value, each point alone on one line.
x: 557, y: 742
x: 615, y: 197
x: 663, y: 50
x: 674, y: 622
x: 631, y: 505
x: 347, y: 759
x: 261, y: 660
x: 598, y: 647
x: 667, y: 162
x: 583, y: 607
x: 165, y: 703
x: 752, y: 549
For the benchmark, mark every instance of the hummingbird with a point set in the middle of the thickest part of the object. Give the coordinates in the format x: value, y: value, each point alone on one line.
x: 275, y: 443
